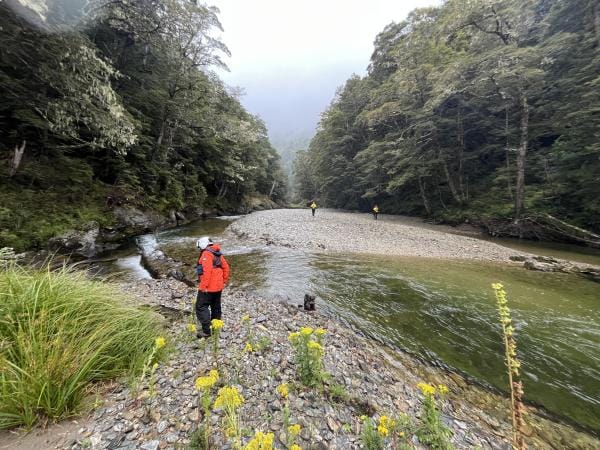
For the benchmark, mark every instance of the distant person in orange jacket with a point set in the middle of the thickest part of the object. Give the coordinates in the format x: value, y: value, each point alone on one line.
x: 313, y: 206
x: 213, y: 274
x: 375, y: 211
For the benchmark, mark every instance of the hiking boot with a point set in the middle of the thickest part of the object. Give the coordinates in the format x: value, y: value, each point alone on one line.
x: 202, y: 335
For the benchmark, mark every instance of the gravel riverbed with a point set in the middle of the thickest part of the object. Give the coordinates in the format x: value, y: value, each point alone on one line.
x: 376, y: 380
x: 337, y: 231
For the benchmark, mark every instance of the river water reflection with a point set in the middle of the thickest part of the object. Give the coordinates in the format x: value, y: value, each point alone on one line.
x: 443, y: 311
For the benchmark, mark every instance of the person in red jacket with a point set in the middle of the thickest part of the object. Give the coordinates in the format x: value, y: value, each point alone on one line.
x: 213, y: 274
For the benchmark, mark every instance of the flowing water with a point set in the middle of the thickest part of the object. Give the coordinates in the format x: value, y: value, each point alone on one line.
x: 442, y: 311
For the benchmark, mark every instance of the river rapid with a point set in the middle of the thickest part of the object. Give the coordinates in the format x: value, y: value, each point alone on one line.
x: 442, y: 311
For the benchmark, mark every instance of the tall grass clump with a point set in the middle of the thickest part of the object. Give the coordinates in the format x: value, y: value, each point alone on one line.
x: 59, y: 332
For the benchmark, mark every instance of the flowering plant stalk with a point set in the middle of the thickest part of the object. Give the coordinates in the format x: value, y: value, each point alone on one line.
x: 150, y: 364
x: 284, y: 392
x: 309, y: 352
x: 513, y: 365
x: 432, y: 431
x: 370, y: 437
x: 292, y: 432
x: 230, y: 399
x: 215, y: 329
x: 152, y: 381
x: 204, y: 385
x: 249, y: 331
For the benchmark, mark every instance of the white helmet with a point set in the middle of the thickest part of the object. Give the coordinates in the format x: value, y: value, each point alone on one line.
x: 203, y: 242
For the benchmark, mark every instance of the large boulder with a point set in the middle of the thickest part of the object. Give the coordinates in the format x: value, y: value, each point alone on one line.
x: 132, y: 221
x: 78, y: 242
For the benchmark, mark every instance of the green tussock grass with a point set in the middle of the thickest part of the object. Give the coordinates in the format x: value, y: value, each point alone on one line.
x: 60, y: 332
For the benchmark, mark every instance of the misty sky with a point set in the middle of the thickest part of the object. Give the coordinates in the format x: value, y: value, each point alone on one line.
x: 291, y: 55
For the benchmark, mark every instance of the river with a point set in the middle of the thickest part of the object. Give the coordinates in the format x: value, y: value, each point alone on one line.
x: 442, y: 311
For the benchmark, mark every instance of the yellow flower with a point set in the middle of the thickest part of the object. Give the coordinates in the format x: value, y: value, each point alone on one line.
x: 315, y: 346
x: 154, y: 366
x: 320, y: 332
x: 230, y: 432
x: 294, y: 430
x: 386, y: 422
x: 383, y: 431
x: 401, y: 434
x: 160, y: 342
x: 497, y: 286
x: 293, y: 336
x: 261, y: 441
x: 229, y: 397
x: 442, y: 389
x: 306, y: 331
x: 426, y: 388
x: 295, y: 447
x: 283, y: 390
x: 205, y: 383
x: 191, y: 327
x: 216, y: 324
x: 246, y: 318
x: 249, y: 348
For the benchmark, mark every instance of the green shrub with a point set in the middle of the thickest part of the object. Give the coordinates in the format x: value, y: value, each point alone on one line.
x: 59, y: 332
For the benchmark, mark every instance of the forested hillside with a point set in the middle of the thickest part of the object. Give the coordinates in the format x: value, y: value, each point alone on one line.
x: 478, y: 110
x: 121, y: 108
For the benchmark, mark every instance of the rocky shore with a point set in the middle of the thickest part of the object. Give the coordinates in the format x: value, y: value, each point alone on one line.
x: 355, y: 232
x: 375, y: 380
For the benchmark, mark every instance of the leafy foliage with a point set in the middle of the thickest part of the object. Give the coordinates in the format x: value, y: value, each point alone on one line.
x: 125, y: 107
x: 472, y: 109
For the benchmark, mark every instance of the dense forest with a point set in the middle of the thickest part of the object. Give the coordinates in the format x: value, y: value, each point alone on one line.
x: 487, y: 111
x: 116, y: 103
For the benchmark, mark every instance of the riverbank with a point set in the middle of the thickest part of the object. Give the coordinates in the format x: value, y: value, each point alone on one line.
x: 374, y: 380
x: 337, y: 231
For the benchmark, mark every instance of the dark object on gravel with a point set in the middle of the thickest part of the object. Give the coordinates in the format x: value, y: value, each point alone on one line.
x: 309, y: 302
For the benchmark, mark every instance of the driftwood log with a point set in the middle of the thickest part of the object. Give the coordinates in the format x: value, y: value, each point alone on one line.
x: 548, y: 264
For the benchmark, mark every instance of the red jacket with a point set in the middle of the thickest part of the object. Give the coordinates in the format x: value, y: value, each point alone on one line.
x: 212, y: 279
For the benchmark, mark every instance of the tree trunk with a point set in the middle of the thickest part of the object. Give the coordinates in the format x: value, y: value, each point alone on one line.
x: 423, y: 196
x: 16, y: 160
x: 521, y: 155
x: 222, y: 190
x: 455, y: 193
x: 508, y: 181
x: 461, y: 152
x: 272, y: 188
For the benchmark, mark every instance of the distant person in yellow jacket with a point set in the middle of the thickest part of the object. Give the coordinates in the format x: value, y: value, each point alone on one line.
x: 375, y: 211
x: 313, y: 206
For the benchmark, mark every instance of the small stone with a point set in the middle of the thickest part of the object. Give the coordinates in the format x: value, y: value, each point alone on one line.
x: 333, y: 425
x: 162, y: 426
x: 172, y: 438
x: 150, y: 445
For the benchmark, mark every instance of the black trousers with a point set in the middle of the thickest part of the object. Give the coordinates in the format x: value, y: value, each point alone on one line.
x: 208, y: 307
x: 375, y: 215
x: 313, y: 211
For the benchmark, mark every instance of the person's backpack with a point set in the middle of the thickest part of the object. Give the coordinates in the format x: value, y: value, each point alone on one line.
x: 216, y: 261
